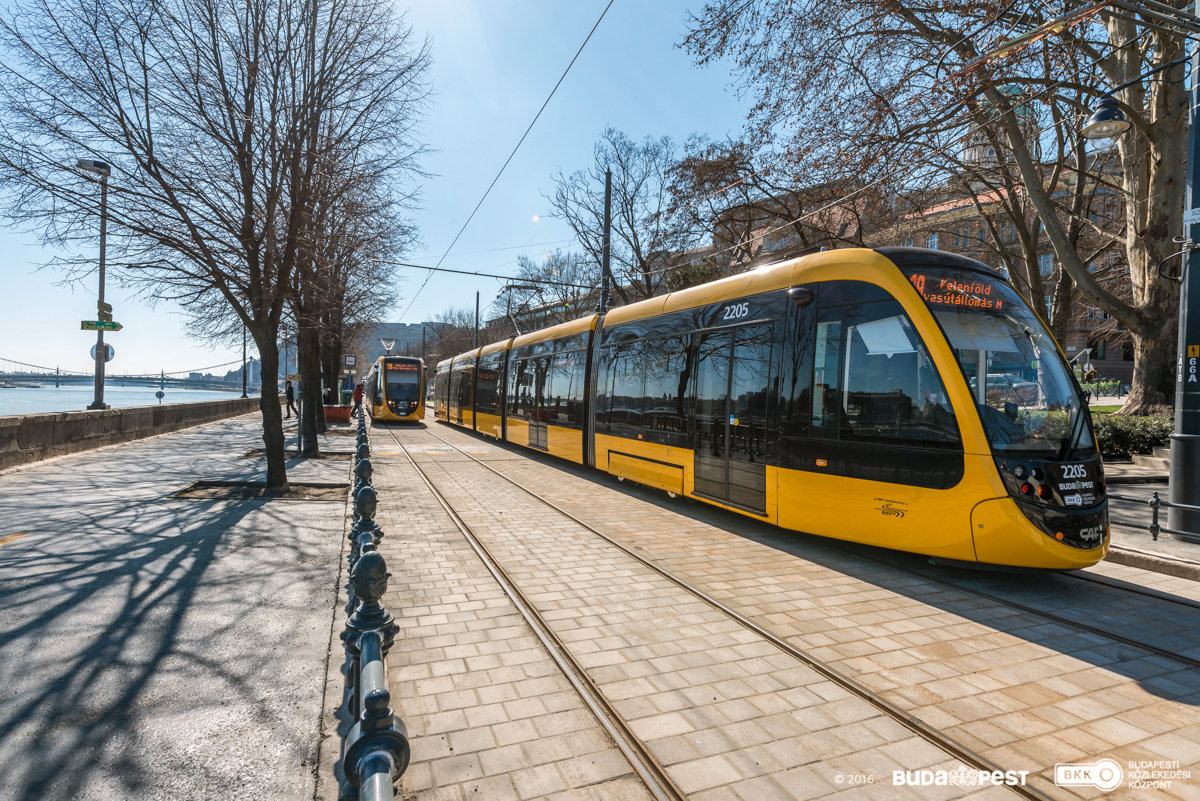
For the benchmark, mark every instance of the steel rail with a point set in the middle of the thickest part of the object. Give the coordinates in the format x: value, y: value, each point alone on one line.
x: 914, y: 724
x: 651, y: 772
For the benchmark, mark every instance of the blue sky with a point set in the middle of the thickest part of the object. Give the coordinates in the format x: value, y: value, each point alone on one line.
x: 493, y: 65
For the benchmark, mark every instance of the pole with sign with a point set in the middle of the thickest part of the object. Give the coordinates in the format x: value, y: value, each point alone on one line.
x: 1185, y: 442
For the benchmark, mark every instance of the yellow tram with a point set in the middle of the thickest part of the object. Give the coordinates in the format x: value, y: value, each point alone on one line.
x: 899, y: 397
x: 394, y: 389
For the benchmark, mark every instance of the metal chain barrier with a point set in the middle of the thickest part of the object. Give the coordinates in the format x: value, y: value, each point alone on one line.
x: 375, y: 752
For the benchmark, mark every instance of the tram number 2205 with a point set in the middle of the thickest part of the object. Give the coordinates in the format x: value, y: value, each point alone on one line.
x: 735, y: 311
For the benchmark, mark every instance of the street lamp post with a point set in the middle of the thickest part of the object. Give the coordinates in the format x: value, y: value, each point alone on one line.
x: 1107, y: 122
x: 103, y: 170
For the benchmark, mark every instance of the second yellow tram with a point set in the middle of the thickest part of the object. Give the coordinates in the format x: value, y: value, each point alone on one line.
x: 394, y: 389
x: 898, y: 397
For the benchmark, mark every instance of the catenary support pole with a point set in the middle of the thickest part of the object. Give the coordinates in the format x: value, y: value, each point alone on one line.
x: 475, y: 340
x: 1185, y: 442
x: 606, y: 244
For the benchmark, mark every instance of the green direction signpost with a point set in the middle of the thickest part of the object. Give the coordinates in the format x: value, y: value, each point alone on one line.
x: 99, y: 325
x: 104, y: 307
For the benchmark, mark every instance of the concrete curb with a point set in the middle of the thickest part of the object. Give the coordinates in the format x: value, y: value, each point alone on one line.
x: 1157, y: 563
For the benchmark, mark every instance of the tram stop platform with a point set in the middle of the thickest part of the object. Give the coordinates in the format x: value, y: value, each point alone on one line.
x: 566, y: 636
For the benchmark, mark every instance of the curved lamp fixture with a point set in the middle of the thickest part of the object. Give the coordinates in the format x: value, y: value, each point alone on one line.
x: 1107, y: 122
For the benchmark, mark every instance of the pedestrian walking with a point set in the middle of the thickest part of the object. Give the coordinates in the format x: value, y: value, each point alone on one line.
x: 290, y: 393
x: 358, y: 396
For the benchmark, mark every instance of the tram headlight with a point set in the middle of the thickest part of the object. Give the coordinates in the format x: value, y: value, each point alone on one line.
x: 1043, y: 492
x: 1019, y: 471
x: 1026, y: 489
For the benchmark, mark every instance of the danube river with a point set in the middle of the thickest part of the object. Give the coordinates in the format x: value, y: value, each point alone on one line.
x: 76, y: 397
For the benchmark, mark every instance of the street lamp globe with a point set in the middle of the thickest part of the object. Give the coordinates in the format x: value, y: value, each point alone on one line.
x: 1107, y: 122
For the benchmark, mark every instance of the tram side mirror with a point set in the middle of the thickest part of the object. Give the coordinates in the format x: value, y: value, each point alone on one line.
x: 801, y: 296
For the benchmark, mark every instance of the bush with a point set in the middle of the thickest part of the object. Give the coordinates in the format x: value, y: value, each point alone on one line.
x: 1121, y: 436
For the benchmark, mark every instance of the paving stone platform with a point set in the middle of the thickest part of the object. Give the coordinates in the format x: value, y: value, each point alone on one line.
x: 729, y: 715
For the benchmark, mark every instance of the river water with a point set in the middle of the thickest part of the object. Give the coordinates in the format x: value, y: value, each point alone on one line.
x: 76, y: 397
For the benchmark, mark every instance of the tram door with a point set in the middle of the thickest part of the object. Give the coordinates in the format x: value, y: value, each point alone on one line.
x: 733, y: 373
x: 538, y: 413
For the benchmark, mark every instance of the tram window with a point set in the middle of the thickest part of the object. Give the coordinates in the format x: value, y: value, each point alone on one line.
x: 873, y: 380
x: 487, y: 386
x: 403, y: 381
x: 520, y: 385
x: 625, y: 379
x: 668, y: 369
x: 825, y: 379
x: 565, y: 406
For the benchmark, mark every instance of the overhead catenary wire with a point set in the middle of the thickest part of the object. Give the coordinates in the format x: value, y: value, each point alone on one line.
x: 486, y: 275
x: 509, y: 159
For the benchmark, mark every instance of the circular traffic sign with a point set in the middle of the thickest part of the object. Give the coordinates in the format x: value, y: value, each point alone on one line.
x: 108, y: 352
x: 160, y: 394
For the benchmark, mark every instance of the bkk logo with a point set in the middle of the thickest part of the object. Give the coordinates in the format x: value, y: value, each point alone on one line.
x: 1104, y: 774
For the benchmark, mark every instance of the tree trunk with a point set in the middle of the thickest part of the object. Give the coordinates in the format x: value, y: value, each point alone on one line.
x: 268, y: 354
x: 310, y: 389
x: 1153, y: 371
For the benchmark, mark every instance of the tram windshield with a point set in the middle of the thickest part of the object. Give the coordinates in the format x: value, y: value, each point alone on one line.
x: 1020, y: 382
x: 403, y: 380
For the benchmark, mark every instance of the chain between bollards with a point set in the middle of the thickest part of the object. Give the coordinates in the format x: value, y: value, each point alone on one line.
x: 375, y: 751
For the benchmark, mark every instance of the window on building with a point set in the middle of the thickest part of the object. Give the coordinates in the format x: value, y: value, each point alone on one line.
x: 964, y: 237
x: 1127, y: 350
x: 1099, y: 349
x: 907, y: 243
x: 933, y: 242
x: 1046, y: 264
x: 1049, y: 305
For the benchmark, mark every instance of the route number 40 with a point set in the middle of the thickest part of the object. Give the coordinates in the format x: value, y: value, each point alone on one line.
x: 736, y: 310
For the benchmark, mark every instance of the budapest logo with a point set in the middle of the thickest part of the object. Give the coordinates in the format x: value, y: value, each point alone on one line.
x: 1104, y: 774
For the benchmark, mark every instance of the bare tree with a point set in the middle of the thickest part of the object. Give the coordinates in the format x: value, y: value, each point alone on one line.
x: 641, y: 230
x: 562, y: 287
x: 863, y: 85
x: 209, y: 114
x: 734, y: 189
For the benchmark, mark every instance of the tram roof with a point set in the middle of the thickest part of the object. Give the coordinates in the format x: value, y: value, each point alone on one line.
x: 556, y: 331
x: 470, y: 354
x: 768, y: 277
x: 495, y: 346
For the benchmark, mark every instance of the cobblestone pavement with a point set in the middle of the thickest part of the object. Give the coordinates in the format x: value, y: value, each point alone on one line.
x: 728, y: 714
x: 1023, y: 690
x: 154, y: 647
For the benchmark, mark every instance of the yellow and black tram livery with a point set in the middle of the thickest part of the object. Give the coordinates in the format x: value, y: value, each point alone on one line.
x: 899, y: 397
x: 394, y: 389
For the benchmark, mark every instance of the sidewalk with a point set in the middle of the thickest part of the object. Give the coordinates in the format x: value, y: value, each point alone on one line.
x: 161, y: 647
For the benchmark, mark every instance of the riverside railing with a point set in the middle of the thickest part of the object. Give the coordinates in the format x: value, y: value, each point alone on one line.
x: 375, y: 751
x: 1155, y: 528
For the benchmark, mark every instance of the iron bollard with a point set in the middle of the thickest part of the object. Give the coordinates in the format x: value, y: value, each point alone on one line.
x: 377, y: 750
x: 368, y: 583
x: 363, y: 451
x: 365, y: 530
x: 362, y: 478
x: 1155, y: 505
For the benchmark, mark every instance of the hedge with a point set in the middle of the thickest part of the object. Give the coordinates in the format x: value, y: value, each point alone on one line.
x: 1121, y: 436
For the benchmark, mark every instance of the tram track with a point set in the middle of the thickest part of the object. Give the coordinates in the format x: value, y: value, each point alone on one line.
x: 649, y: 770
x: 585, y: 686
